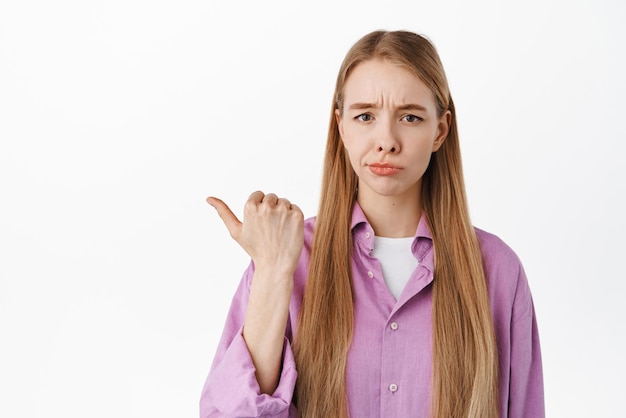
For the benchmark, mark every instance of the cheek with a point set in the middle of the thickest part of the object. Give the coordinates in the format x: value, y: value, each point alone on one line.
x: 352, y: 158
x: 422, y: 156
x: 353, y: 154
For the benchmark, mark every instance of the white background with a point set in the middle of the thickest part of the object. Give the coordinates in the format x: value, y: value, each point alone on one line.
x: 117, y: 118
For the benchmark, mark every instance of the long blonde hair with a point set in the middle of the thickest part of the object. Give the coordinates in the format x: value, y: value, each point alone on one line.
x: 465, y: 359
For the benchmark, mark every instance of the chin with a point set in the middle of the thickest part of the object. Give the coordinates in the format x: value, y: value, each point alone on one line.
x: 391, y: 189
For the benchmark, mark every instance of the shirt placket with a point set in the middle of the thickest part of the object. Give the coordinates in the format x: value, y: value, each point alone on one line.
x: 392, y: 390
x: 391, y: 369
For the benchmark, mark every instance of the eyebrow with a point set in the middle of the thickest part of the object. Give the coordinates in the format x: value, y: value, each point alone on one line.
x: 408, y: 106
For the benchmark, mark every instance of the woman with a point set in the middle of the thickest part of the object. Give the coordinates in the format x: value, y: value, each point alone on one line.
x: 389, y: 303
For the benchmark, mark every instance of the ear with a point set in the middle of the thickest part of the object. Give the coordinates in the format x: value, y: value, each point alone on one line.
x: 442, y: 130
x: 339, y: 123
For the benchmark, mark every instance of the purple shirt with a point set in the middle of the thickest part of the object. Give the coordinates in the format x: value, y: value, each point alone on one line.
x: 390, y: 359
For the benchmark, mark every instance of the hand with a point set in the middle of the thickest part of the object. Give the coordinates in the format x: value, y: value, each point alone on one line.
x: 272, y: 232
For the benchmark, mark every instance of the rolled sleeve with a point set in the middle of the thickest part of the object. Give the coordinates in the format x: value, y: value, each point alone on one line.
x: 231, y: 389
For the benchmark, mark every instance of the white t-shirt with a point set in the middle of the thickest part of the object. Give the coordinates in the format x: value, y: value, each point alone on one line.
x: 396, y: 260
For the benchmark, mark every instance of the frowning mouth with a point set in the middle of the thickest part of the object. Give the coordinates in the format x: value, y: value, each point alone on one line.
x: 384, y: 169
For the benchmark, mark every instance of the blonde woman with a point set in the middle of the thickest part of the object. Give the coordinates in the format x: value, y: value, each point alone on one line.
x: 389, y: 303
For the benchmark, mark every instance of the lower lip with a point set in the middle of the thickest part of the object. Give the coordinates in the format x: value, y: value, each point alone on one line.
x: 384, y: 171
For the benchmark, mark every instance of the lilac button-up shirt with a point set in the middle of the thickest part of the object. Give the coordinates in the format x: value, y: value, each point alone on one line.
x: 390, y: 359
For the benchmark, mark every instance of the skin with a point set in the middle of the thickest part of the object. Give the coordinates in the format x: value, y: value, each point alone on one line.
x: 272, y: 231
x: 377, y: 127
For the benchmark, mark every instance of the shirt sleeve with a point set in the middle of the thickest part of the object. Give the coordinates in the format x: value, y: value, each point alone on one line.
x: 526, y: 397
x: 231, y: 388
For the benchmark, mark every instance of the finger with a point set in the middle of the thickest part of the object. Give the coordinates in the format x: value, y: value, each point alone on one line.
x: 256, y: 197
x: 284, y: 202
x: 270, y: 199
x: 228, y: 217
x: 296, y: 208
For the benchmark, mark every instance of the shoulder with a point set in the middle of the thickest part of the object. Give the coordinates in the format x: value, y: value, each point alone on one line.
x: 303, y: 264
x: 309, y: 223
x: 495, y: 252
x: 506, y: 279
x: 302, y: 270
x: 309, y: 228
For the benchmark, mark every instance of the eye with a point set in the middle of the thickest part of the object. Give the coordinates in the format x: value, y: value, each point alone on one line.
x: 364, y: 117
x: 411, y: 118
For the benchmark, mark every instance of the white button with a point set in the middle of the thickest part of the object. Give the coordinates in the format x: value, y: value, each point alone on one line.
x: 370, y: 274
x: 394, y: 326
x: 393, y: 387
x: 367, y: 235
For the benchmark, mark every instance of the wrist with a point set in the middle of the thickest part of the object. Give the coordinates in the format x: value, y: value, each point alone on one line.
x: 274, y: 271
x: 273, y: 278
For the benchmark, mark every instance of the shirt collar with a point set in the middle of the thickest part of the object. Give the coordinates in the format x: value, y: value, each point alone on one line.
x: 358, y: 218
x: 363, y: 236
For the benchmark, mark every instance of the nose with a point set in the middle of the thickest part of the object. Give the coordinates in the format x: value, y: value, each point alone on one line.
x: 386, y: 141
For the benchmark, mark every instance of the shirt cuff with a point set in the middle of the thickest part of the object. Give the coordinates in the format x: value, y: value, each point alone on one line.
x: 232, y: 388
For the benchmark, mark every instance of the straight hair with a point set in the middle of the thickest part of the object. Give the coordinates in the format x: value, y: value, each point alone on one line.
x: 465, y: 355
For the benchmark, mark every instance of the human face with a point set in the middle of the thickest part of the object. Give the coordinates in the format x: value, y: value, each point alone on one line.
x: 389, y: 127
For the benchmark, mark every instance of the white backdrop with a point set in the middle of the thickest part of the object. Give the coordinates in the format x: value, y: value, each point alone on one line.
x: 117, y: 118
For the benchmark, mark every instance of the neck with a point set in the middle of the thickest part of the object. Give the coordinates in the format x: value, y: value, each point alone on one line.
x: 392, y: 216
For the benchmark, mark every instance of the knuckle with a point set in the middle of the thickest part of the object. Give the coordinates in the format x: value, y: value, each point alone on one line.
x: 250, y: 204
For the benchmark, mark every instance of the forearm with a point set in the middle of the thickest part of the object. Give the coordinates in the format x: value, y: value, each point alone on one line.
x: 273, y: 235
x: 265, y: 323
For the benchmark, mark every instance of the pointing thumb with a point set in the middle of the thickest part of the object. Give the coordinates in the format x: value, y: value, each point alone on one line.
x: 228, y: 217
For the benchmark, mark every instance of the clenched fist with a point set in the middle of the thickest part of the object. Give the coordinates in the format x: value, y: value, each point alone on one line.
x: 272, y: 231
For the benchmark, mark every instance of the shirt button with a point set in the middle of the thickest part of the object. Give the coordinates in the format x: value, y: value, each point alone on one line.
x: 370, y: 274
x: 394, y: 326
x: 393, y: 387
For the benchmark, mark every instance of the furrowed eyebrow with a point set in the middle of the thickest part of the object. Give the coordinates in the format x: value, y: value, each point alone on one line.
x: 412, y: 106
x: 408, y: 106
x: 362, y: 106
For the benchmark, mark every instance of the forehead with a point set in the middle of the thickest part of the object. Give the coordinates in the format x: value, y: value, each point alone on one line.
x: 381, y: 81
